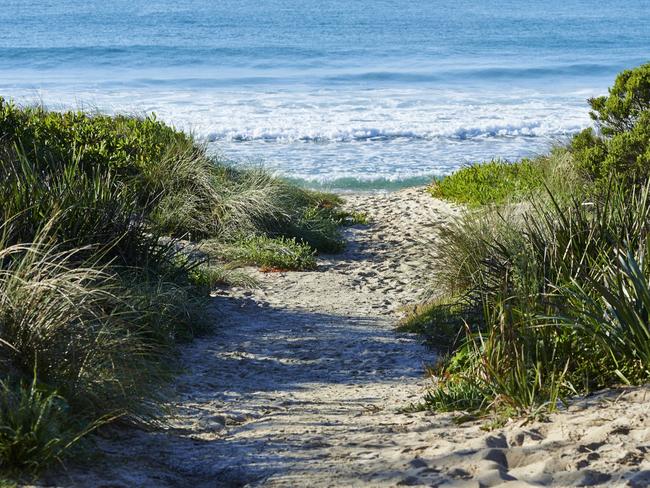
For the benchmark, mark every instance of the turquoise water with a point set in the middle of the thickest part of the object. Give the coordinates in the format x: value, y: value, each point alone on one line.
x: 336, y: 93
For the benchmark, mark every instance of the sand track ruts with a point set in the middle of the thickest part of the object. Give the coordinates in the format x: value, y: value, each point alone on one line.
x: 301, y: 382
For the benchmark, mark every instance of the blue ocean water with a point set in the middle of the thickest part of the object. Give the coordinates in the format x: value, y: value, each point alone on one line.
x: 340, y: 93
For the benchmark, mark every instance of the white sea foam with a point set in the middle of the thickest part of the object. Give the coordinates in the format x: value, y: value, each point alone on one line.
x: 327, y: 137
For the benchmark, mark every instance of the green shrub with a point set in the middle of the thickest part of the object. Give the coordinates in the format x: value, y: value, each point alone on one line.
x: 90, y: 207
x: 499, y: 182
x: 161, y: 174
x: 209, y: 276
x: 558, y: 271
x: 456, y: 393
x: 122, y: 144
x: 493, y: 182
x: 628, y: 100
x: 622, y: 145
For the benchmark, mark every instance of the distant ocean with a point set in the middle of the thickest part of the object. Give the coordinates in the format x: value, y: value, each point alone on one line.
x: 337, y: 93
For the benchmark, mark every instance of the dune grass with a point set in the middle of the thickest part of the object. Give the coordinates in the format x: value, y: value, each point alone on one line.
x: 37, y: 429
x: 99, y: 278
x: 546, y: 277
x: 549, y: 301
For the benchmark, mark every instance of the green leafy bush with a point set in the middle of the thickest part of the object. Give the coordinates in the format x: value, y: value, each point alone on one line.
x: 122, y: 144
x: 499, y: 182
x: 442, y: 322
x: 613, y: 311
x: 81, y: 207
x: 493, y: 182
x: 622, y: 144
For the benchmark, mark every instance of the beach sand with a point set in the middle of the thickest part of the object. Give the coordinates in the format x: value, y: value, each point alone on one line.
x: 303, y: 380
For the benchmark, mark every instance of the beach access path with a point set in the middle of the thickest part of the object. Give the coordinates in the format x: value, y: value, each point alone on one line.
x: 304, y: 382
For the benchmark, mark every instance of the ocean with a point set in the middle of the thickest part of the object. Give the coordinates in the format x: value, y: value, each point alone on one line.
x: 340, y: 94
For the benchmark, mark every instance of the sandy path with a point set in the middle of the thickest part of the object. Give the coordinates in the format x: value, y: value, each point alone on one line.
x: 302, y: 381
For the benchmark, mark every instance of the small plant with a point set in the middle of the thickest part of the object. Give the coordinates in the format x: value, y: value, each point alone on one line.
x: 442, y: 322
x: 278, y: 253
x: 209, y: 276
x: 457, y: 393
x: 36, y: 427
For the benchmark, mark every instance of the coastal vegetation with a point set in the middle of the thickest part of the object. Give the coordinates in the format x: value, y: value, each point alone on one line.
x: 542, y: 288
x: 113, y: 232
x: 499, y: 181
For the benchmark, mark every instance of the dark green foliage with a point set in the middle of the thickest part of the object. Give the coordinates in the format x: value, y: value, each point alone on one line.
x: 622, y: 145
x: 82, y: 208
x: 36, y: 428
x: 459, y: 393
x: 628, y: 100
x: 120, y: 144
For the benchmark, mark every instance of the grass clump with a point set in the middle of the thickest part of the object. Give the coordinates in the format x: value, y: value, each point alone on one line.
x: 554, y: 282
x: 545, y: 308
x: 270, y: 254
x: 36, y: 428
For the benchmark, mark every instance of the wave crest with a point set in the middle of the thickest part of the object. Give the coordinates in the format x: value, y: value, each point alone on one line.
x: 531, y: 129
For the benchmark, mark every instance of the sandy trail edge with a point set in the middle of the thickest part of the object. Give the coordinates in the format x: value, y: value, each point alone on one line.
x: 301, y: 383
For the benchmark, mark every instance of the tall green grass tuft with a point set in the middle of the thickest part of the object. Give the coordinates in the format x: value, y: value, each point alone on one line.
x: 561, y: 284
x: 558, y: 271
x: 97, y: 343
x: 36, y: 428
